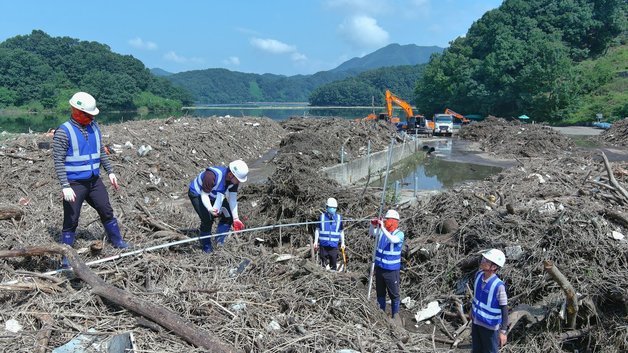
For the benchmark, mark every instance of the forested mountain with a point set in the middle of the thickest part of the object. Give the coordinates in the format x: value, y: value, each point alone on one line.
x: 390, y: 55
x: 220, y: 86
x: 160, y: 72
x: 43, y: 72
x: 531, y: 57
x: 360, y: 90
x: 216, y: 86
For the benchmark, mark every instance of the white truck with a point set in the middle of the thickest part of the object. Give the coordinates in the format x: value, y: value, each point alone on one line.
x: 443, y: 124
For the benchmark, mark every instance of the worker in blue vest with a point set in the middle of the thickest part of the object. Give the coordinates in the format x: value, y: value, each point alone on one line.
x: 490, y: 305
x: 388, y: 259
x: 78, y: 154
x: 214, y: 193
x: 329, y: 234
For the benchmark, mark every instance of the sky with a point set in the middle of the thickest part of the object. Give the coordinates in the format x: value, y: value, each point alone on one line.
x: 286, y: 37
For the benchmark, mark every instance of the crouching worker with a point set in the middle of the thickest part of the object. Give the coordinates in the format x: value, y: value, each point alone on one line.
x: 388, y: 259
x: 214, y: 193
x: 329, y: 234
x: 78, y: 154
x: 490, y: 305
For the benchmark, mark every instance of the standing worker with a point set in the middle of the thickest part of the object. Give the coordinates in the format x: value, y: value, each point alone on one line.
x: 78, y: 153
x: 207, y: 192
x: 388, y: 260
x: 329, y: 233
x: 490, y: 305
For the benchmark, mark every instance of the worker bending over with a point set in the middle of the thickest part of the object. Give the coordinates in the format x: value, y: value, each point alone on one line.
x: 213, y: 193
x: 328, y: 234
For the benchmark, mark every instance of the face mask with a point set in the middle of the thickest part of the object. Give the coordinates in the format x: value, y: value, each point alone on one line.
x: 391, y: 224
x: 331, y: 210
x: 81, y: 118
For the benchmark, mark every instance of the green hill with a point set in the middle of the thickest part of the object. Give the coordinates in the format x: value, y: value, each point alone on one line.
x: 42, y: 72
x: 531, y: 57
x: 216, y: 86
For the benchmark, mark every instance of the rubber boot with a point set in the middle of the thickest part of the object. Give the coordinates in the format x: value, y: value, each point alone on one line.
x: 67, y: 238
x: 113, y: 233
x: 382, y: 303
x: 222, y: 228
x: 394, y: 308
x: 206, y: 243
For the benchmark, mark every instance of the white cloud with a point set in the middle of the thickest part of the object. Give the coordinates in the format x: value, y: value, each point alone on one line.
x: 272, y: 46
x: 296, y: 56
x: 232, y: 61
x: 172, y: 56
x: 363, y: 32
x: 138, y: 43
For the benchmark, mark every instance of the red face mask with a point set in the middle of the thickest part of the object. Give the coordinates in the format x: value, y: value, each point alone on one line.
x: 391, y: 224
x: 81, y: 117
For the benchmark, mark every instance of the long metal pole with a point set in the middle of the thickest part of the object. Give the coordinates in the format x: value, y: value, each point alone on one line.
x: 183, y: 241
x: 379, y: 216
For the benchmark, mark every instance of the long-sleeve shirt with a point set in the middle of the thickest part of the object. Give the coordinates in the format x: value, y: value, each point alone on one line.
x: 60, y: 145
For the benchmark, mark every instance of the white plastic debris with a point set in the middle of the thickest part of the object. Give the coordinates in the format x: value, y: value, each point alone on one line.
x: 143, y: 150
x: 273, y: 326
x: 617, y: 235
x: 128, y: 144
x: 153, y: 179
x: 283, y: 257
x: 238, y: 306
x: 408, y: 302
x: 12, y: 325
x: 432, y: 309
x: 538, y: 176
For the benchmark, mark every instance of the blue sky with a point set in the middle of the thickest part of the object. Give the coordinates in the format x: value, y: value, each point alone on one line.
x: 275, y: 36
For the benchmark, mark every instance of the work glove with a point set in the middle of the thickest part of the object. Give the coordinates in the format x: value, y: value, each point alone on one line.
x: 375, y: 222
x: 237, y: 225
x: 69, y: 195
x: 214, y: 211
x: 316, y: 247
x: 342, y: 246
x: 114, y: 181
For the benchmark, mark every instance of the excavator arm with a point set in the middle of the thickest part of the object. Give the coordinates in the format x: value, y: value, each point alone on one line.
x: 391, y: 98
x: 457, y: 116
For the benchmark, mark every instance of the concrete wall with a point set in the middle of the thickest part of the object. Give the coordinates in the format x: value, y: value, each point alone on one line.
x: 355, y: 170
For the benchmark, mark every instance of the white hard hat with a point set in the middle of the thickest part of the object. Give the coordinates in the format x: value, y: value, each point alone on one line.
x: 495, y: 256
x: 392, y: 214
x: 84, y: 102
x: 239, y: 169
x: 331, y: 202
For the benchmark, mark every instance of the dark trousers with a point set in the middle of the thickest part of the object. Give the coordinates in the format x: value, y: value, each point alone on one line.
x: 329, y: 255
x: 484, y: 340
x: 94, y: 192
x: 207, y: 219
x: 387, y: 281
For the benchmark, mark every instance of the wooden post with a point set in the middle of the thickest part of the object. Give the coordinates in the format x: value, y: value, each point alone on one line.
x: 570, y: 292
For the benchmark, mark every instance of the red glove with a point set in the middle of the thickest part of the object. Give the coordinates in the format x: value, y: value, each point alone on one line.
x: 375, y: 222
x: 237, y: 225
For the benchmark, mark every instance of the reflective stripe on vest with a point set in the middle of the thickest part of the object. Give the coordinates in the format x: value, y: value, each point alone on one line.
x: 388, y: 255
x: 485, y: 304
x: 219, y: 182
x: 329, y: 232
x: 82, y: 159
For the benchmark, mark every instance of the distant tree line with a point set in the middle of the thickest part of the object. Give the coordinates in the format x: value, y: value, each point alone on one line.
x: 42, y: 72
x: 360, y: 90
x: 531, y: 57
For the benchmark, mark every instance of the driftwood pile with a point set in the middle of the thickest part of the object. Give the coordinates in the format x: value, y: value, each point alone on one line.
x: 514, y: 139
x: 617, y: 135
x: 556, y: 219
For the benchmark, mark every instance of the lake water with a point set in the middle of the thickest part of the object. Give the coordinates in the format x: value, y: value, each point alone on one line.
x: 276, y: 111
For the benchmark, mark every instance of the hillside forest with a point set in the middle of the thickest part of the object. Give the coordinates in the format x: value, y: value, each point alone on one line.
x: 41, y: 72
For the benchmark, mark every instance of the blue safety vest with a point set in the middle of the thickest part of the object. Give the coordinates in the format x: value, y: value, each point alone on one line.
x: 220, y: 183
x: 485, y: 304
x: 329, y: 230
x: 388, y: 254
x: 82, y: 159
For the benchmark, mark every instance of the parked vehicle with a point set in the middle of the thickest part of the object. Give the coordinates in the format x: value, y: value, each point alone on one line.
x: 443, y: 124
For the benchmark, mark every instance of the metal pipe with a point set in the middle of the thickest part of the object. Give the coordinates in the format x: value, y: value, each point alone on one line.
x: 183, y: 241
x: 379, y: 216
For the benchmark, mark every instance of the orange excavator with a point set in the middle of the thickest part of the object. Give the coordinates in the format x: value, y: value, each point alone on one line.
x: 460, y: 117
x: 413, y: 122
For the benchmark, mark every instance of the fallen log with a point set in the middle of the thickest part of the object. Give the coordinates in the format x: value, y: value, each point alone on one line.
x: 8, y: 212
x: 43, y: 336
x: 570, y: 292
x: 159, y: 314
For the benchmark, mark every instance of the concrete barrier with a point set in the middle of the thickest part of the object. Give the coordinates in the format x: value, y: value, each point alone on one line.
x: 358, y: 169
